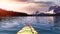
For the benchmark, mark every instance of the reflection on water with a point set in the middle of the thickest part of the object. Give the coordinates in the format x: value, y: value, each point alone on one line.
x: 42, y: 24
x: 57, y: 24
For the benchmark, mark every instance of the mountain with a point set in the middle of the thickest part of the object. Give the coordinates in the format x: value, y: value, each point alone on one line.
x: 5, y: 13
x: 56, y: 9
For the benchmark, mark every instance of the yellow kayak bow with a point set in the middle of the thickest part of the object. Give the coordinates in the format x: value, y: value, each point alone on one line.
x: 27, y: 30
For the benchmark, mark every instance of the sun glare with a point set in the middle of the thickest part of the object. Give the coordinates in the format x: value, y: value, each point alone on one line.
x: 13, y: 6
x: 16, y: 6
x: 24, y: 7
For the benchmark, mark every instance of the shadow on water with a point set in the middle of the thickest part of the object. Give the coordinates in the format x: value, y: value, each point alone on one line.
x: 43, y: 25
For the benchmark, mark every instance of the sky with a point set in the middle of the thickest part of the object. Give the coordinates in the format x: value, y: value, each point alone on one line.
x: 23, y: 6
x: 55, y: 1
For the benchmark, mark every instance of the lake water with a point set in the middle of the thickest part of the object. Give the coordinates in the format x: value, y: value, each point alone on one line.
x: 42, y: 24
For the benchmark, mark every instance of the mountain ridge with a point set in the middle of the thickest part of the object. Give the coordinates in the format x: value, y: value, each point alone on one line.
x: 6, y: 13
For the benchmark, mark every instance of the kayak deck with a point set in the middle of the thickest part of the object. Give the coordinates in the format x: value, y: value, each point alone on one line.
x: 27, y: 30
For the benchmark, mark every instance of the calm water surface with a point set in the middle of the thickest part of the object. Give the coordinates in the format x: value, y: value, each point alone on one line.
x: 42, y: 24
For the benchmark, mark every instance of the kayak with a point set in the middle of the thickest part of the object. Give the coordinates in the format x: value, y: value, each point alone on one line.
x: 27, y: 30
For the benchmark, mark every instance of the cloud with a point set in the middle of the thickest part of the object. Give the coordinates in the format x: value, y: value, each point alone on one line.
x: 55, y: 1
